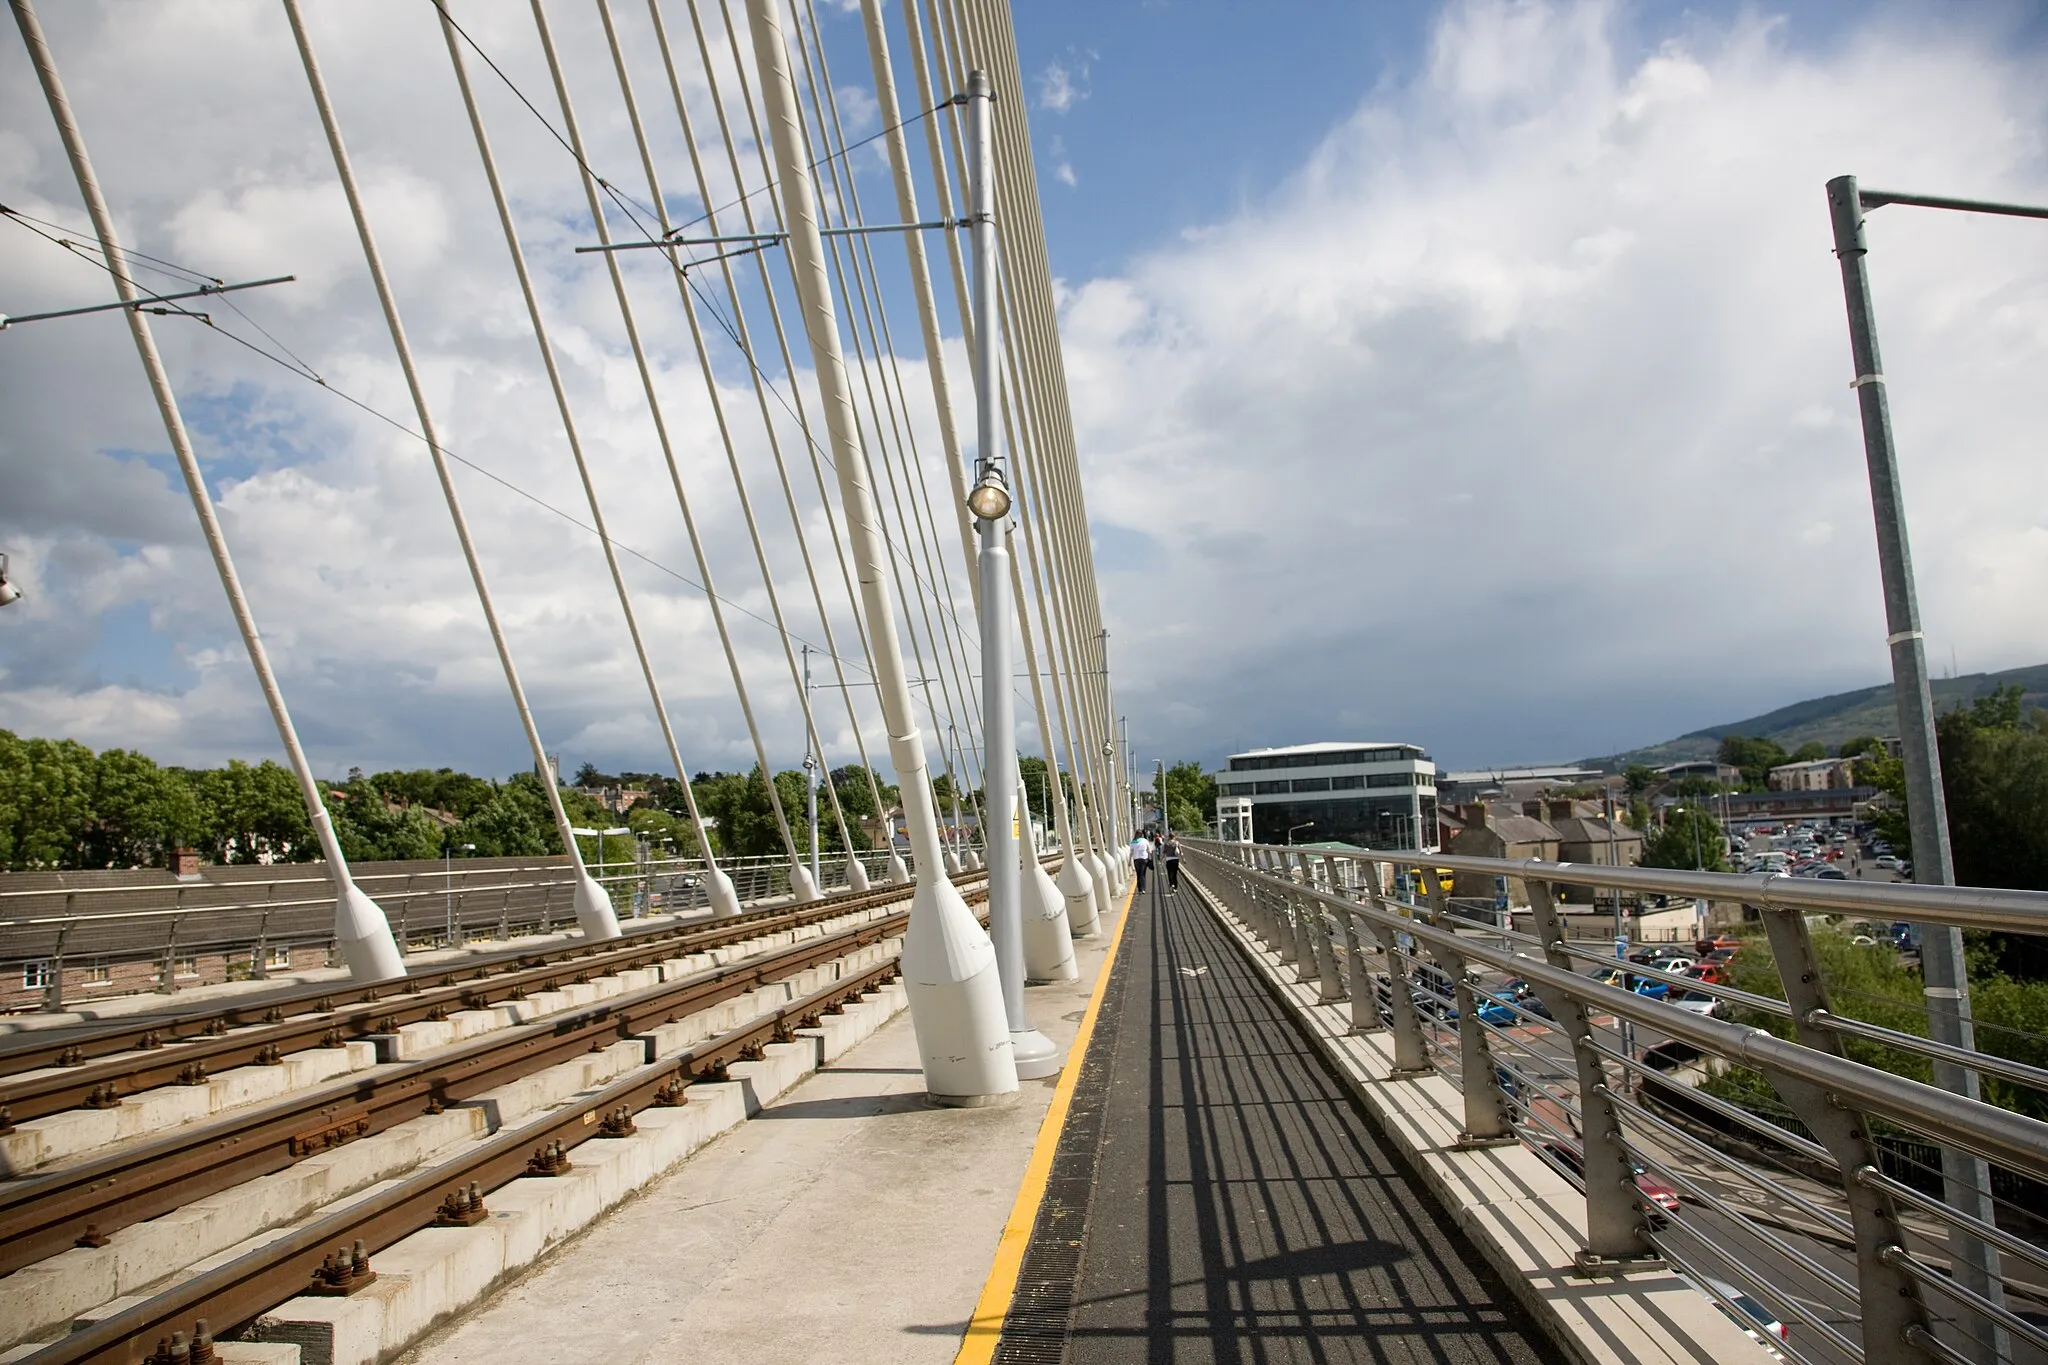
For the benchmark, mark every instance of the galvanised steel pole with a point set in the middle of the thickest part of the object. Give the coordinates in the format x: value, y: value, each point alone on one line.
x: 1966, y: 1177
x: 990, y: 502
x: 361, y: 931
x: 949, y: 968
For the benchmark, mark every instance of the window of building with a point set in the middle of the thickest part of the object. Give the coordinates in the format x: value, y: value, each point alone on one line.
x: 277, y: 957
x: 187, y: 966
x: 1346, y: 783
x: 1390, y: 780
x: 37, y: 976
x: 1234, y: 788
x: 98, y: 974
x: 1270, y: 788
x: 1311, y: 784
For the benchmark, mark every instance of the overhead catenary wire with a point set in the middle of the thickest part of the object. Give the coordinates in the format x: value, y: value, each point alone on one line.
x: 762, y: 386
x: 593, y: 907
x: 361, y: 930
x: 897, y: 557
x: 724, y: 901
x: 856, y: 874
x: 799, y: 874
x: 797, y: 684
x: 854, y: 295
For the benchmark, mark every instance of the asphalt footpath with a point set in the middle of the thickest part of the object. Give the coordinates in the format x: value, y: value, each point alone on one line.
x: 1216, y: 1195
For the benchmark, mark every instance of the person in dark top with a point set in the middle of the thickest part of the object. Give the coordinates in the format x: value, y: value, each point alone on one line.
x: 1169, y: 854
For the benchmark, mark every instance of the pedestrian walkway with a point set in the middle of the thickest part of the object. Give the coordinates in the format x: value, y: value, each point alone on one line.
x: 1217, y: 1195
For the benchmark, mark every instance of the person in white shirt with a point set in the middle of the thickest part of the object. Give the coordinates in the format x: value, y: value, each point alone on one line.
x: 1141, y: 858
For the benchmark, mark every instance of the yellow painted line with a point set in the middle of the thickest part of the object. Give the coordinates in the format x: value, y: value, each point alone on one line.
x: 985, y: 1328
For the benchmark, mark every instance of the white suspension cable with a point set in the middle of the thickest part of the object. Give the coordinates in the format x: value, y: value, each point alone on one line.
x: 594, y: 914
x: 361, y: 931
x: 799, y: 875
x: 724, y: 899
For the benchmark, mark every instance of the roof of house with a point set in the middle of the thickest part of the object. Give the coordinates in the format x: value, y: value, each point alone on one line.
x: 1582, y: 830
x: 1323, y: 746
x: 1520, y: 829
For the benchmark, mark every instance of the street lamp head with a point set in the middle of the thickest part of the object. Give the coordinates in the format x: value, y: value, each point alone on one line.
x: 990, y: 499
x: 9, y: 594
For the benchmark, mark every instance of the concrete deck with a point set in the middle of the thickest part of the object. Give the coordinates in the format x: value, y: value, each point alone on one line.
x: 848, y: 1221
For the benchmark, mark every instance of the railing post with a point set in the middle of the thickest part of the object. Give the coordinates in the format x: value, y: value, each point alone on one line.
x: 1289, y: 944
x: 53, y: 993
x: 1305, y: 965
x: 1365, y: 1010
x: 1893, y: 1311
x: 1486, y: 1118
x: 1617, y: 1234
x: 167, y: 980
x: 259, y: 960
x: 1411, y: 1056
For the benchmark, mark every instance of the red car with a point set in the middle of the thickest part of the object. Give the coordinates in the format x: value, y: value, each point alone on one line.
x: 1721, y: 944
x: 1663, y: 1200
x: 1713, y: 973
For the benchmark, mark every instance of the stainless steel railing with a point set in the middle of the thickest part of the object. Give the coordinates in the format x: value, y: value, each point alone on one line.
x: 48, y: 934
x: 1811, y: 1200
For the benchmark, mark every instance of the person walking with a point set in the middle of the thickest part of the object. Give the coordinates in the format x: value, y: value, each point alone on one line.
x: 1141, y: 857
x: 1169, y: 854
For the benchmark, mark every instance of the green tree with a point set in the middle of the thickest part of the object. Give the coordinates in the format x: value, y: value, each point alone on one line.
x: 1190, y: 797
x: 254, y: 811
x: 1690, y: 838
x: 140, y: 813
x: 746, y: 821
x: 1638, y: 779
x: 514, y: 823
x: 372, y: 828
x: 46, y: 789
x: 1858, y: 746
x: 1755, y: 757
x: 1809, y: 752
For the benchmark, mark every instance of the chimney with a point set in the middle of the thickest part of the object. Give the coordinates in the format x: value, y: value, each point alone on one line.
x: 185, y: 864
x: 1474, y: 815
x: 1562, y: 808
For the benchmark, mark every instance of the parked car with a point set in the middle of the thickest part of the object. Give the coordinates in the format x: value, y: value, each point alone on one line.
x: 1887, y: 863
x: 1708, y: 946
x: 1647, y: 987
x: 1746, y: 1313
x: 1695, y: 1002
x: 1663, y: 1200
x: 1712, y: 973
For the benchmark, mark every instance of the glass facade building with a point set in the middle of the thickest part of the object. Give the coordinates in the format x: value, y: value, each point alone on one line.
x: 1370, y: 795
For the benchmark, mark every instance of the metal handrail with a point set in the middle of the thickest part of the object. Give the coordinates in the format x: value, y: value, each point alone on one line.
x: 1311, y: 906
x: 1999, y: 1134
x: 1968, y: 907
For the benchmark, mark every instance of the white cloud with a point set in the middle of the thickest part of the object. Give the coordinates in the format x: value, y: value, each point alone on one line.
x: 1064, y: 81
x: 334, y: 516
x: 1597, y: 292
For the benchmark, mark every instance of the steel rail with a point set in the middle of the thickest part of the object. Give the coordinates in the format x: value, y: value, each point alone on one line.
x: 419, y: 993
x: 1998, y: 1134
x: 100, y: 1057
x: 240, y: 1290
x: 41, y: 1215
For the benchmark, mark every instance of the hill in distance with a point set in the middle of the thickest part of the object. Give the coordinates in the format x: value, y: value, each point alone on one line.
x: 1831, y: 720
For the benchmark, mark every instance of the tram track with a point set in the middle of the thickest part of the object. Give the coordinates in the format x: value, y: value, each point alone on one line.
x: 85, y: 1202
x: 100, y: 1068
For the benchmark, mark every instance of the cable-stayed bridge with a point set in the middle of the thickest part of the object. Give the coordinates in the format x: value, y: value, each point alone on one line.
x: 1298, y: 1104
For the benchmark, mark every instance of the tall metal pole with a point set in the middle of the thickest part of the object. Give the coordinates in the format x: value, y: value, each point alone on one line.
x: 810, y: 775
x: 990, y: 502
x: 949, y: 968
x: 361, y: 931
x: 1946, y: 982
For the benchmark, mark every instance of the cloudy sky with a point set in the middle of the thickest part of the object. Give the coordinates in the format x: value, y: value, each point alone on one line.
x: 1472, y: 375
